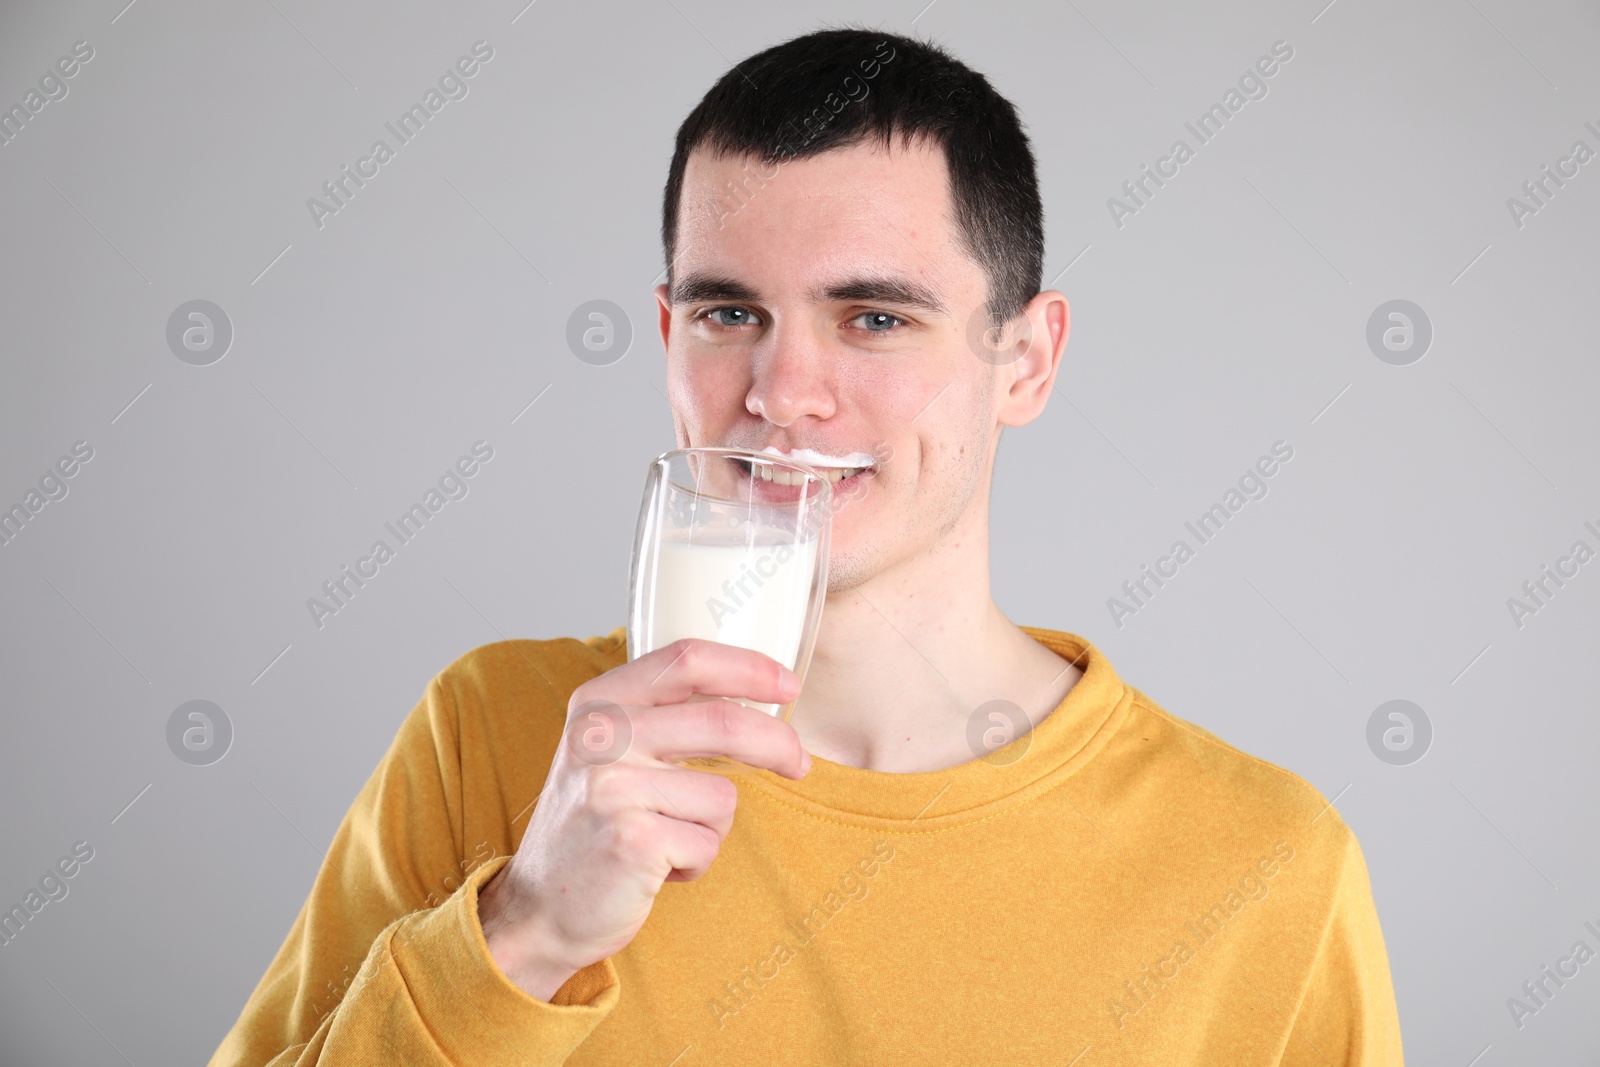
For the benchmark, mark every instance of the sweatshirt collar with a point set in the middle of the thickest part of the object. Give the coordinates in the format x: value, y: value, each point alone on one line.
x: 927, y: 801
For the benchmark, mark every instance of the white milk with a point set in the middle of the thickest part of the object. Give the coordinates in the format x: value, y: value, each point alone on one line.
x: 753, y: 596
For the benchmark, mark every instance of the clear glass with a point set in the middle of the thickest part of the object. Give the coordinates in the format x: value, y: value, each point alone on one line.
x: 726, y: 555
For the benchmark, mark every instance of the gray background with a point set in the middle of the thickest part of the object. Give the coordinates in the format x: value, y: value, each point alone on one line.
x: 1227, y: 314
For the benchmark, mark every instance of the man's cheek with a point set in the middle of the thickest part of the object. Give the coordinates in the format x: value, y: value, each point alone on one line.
x: 718, y: 388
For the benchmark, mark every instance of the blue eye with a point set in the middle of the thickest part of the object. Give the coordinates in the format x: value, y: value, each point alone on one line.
x: 714, y: 314
x: 876, y: 319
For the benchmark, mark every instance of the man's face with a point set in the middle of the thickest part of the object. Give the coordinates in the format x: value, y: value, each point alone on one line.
x: 796, y: 323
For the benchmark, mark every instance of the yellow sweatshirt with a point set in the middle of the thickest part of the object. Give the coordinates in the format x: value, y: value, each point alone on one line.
x: 1117, y: 887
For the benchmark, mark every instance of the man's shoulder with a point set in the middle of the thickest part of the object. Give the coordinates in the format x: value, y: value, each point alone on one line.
x: 1245, y: 856
x: 526, y: 680
x: 1211, y: 769
x: 521, y: 660
x: 1197, y: 788
x: 1177, y: 768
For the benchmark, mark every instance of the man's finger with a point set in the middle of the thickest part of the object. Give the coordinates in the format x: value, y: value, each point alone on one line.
x: 689, y: 847
x: 673, y: 673
x: 717, y: 728
x: 690, y: 796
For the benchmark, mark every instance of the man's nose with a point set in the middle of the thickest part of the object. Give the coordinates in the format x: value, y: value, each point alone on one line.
x: 791, y: 376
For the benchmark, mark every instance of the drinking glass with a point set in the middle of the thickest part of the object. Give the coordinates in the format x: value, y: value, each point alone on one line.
x: 725, y: 554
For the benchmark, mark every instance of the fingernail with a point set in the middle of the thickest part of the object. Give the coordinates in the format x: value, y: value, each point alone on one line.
x: 805, y: 762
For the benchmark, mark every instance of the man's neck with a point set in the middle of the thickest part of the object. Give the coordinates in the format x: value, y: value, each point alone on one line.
x: 902, y: 662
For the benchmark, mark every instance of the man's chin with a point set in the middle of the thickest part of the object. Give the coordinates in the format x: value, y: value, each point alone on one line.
x: 846, y: 571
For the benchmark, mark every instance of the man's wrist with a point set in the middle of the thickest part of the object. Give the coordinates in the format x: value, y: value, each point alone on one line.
x: 514, y: 946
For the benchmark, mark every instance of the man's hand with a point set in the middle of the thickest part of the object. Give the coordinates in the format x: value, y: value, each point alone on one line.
x: 616, y: 819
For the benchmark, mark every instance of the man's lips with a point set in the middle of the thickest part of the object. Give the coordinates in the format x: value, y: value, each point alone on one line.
x: 769, y: 489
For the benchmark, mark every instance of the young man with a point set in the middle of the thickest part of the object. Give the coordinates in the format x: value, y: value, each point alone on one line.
x: 975, y: 843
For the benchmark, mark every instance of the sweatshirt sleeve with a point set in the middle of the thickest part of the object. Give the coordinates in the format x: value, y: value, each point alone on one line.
x: 1348, y: 1014
x: 376, y: 968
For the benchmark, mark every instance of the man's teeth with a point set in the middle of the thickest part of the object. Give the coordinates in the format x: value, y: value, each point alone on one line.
x: 784, y: 476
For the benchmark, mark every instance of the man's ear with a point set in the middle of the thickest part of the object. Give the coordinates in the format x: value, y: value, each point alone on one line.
x: 666, y: 312
x: 1044, y: 322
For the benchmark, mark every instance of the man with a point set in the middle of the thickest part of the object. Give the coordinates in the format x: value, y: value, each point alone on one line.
x: 975, y: 843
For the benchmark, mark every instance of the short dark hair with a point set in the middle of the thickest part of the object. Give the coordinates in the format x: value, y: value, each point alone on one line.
x: 796, y: 100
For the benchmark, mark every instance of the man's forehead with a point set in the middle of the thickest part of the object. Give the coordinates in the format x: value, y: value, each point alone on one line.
x: 859, y: 222
x: 866, y: 178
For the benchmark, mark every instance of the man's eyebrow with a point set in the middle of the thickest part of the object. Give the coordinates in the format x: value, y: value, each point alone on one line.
x: 882, y: 288
x: 692, y: 288
x: 872, y: 288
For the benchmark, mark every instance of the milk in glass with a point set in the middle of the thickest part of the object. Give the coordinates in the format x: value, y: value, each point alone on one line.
x: 716, y: 585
